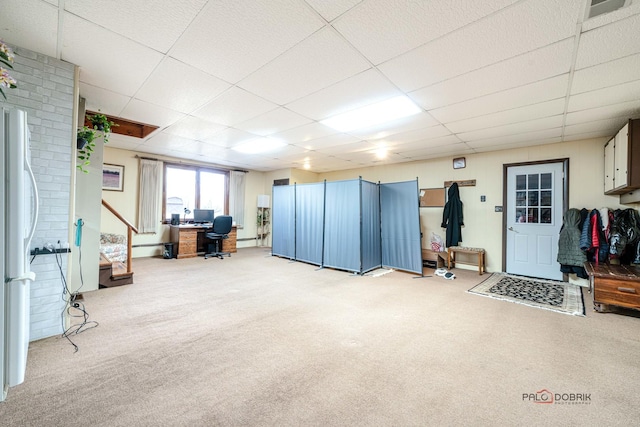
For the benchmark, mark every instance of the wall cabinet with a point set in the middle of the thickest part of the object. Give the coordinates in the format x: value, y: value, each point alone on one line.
x: 622, y: 160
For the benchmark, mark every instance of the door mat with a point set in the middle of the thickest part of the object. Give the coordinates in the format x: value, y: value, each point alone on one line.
x: 561, y: 297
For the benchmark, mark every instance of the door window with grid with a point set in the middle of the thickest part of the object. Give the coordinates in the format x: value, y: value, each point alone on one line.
x: 534, y: 198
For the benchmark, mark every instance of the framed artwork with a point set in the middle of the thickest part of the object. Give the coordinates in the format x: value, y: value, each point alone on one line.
x: 112, y: 177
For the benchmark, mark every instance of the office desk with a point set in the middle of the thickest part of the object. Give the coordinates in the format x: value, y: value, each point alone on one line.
x: 190, y: 240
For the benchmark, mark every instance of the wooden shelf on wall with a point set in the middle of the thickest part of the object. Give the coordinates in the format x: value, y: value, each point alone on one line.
x: 125, y: 127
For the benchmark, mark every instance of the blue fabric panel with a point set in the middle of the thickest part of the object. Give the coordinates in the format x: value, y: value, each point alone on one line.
x: 342, y: 225
x: 309, y: 222
x: 371, y: 246
x: 400, y: 223
x: 283, y: 221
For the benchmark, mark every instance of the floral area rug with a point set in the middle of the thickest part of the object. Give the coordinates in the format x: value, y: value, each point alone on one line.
x: 561, y: 297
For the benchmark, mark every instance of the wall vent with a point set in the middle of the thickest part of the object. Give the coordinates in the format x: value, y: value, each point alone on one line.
x: 599, y: 7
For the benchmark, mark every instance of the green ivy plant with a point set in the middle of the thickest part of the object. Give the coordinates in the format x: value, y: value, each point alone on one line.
x: 85, y: 149
x: 101, y: 123
x: 101, y: 128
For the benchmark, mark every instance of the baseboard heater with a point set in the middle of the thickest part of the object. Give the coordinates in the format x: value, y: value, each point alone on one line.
x: 146, y: 245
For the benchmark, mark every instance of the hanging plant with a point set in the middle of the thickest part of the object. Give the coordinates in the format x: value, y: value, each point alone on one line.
x: 85, y: 146
x: 101, y: 123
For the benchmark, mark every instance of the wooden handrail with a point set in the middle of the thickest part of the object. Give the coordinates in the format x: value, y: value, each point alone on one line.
x: 130, y: 228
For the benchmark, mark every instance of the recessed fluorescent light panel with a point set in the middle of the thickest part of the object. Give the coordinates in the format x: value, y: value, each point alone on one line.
x: 259, y: 145
x: 374, y: 114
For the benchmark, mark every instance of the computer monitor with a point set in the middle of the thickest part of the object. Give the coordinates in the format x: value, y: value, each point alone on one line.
x: 203, y: 216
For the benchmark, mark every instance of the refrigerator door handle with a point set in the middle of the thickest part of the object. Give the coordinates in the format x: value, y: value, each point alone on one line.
x: 34, y: 189
x: 29, y: 275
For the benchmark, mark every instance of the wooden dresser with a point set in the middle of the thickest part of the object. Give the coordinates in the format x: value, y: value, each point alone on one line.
x: 190, y: 240
x: 617, y: 285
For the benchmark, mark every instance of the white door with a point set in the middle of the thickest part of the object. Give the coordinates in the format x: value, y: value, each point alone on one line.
x: 534, y: 218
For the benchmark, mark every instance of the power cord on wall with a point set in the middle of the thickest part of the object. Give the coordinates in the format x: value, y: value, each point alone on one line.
x: 73, y: 306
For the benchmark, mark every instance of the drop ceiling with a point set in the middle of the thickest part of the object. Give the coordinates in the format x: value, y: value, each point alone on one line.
x: 488, y: 75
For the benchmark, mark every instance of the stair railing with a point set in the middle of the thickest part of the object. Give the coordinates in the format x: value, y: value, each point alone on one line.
x: 130, y: 230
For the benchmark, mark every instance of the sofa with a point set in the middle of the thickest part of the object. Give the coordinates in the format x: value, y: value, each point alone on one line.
x: 113, y: 246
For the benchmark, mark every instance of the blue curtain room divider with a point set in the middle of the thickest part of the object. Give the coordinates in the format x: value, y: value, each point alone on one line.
x: 350, y: 225
x: 283, y: 220
x: 309, y: 222
x: 371, y: 240
x: 400, y: 224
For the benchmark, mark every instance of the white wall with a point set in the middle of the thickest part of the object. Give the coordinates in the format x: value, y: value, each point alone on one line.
x: 126, y: 202
x: 483, y: 226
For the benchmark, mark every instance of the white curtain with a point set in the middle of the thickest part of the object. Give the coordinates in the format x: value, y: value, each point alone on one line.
x: 149, y: 200
x: 236, y: 196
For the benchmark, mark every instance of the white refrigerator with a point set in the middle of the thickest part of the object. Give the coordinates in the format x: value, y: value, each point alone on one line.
x: 19, y: 213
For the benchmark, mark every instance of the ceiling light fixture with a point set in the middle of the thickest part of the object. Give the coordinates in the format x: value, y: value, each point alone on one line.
x: 374, y: 114
x: 259, y: 145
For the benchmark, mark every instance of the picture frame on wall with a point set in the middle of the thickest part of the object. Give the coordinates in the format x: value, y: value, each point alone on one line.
x: 112, y: 177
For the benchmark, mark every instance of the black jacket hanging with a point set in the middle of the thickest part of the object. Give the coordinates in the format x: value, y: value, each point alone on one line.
x: 452, y: 218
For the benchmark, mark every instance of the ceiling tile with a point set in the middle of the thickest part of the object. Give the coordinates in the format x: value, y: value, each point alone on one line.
x: 515, y: 144
x: 274, y: 121
x: 626, y: 109
x: 522, y: 28
x: 611, y: 73
x: 328, y: 141
x: 528, y: 137
x: 194, y: 128
x: 534, y: 93
x: 362, y: 89
x: 229, y: 137
x: 607, y: 96
x: 381, y: 29
x: 163, y: 141
x: 387, y: 129
x: 512, y: 73
x: 245, y: 33
x: 443, y: 142
x: 352, y: 147
x: 305, y: 133
x: 143, y: 112
x: 123, y: 17
x: 422, y: 134
x: 30, y: 24
x: 105, y: 101
x: 513, y: 129
x: 122, y: 70
x: 607, y: 127
x: 234, y: 106
x: 330, y: 10
x: 521, y: 114
x: 178, y: 86
x: 427, y: 152
x: 314, y: 64
x: 609, y: 42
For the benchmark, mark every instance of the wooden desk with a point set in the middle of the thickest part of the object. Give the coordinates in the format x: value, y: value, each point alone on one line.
x: 614, y: 285
x: 452, y: 258
x: 190, y: 240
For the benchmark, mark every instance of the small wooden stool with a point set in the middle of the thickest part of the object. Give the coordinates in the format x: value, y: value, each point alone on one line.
x: 453, y: 250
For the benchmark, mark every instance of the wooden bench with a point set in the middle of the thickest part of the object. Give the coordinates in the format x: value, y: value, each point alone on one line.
x: 452, y: 258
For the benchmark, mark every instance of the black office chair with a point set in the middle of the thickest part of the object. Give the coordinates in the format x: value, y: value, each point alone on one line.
x: 220, y: 230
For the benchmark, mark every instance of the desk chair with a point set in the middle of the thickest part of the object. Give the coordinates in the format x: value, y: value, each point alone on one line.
x: 220, y: 230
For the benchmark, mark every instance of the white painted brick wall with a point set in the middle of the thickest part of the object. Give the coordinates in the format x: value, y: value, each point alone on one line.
x: 45, y: 91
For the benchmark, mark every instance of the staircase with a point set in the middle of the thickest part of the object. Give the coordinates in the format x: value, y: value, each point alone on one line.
x: 113, y: 273
x: 116, y: 273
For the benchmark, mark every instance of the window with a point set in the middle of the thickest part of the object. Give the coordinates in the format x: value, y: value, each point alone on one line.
x: 534, y: 198
x: 194, y: 187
